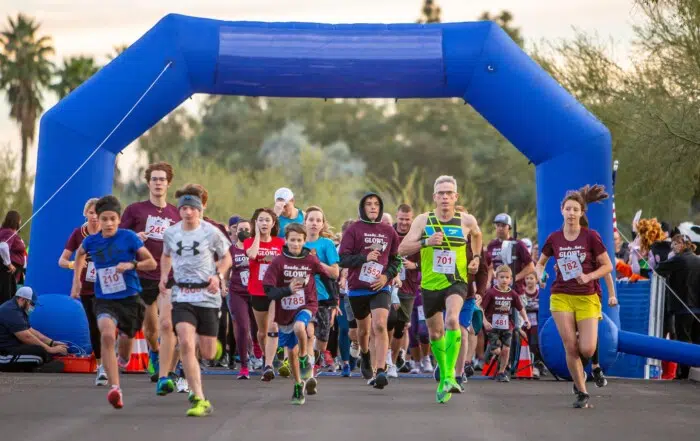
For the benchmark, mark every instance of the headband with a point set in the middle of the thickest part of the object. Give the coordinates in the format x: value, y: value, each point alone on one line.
x: 189, y: 200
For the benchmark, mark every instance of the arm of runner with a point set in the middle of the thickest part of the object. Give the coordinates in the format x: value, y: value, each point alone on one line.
x: 411, y: 243
x: 146, y: 262
x: 274, y: 293
x: 80, y: 258
x: 541, y: 264
x: 349, y: 258
x: 252, y: 252
x: 166, y: 264
x: 332, y: 271
x: 394, y: 267
x: 64, y: 261
x: 472, y: 226
x: 604, y: 267
x: 530, y: 267
x: 610, y: 284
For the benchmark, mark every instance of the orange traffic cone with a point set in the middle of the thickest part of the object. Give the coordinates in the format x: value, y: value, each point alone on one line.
x: 524, y: 369
x: 490, y: 368
x: 139, y: 354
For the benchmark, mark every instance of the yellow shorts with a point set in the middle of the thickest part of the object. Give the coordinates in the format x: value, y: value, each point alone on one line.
x: 583, y: 306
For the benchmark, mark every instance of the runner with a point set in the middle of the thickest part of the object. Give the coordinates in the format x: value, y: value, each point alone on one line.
x: 117, y: 254
x: 574, y: 302
x: 285, y: 210
x: 321, y: 246
x: 410, y: 286
x: 369, y: 250
x: 440, y: 236
x: 506, y: 250
x: 189, y: 250
x: 239, y: 297
x: 87, y: 280
x: 150, y: 219
x: 261, y: 249
x: 290, y: 282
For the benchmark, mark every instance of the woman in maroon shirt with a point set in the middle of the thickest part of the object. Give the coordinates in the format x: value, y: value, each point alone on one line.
x: 87, y: 280
x: 9, y: 274
x: 582, y: 259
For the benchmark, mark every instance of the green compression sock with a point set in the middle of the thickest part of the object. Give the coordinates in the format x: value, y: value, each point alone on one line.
x: 453, y: 340
x: 438, y: 347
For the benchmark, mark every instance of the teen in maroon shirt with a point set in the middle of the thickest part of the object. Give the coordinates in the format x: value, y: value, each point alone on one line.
x: 519, y: 257
x: 581, y: 260
x: 291, y: 283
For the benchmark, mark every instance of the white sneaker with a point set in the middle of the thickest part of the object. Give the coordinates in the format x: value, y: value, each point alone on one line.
x: 427, y: 365
x: 415, y: 367
x: 388, y: 357
x: 391, y: 371
x: 355, y: 349
x: 182, y: 386
x: 101, y: 379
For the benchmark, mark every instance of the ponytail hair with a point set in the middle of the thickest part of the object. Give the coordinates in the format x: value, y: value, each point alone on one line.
x: 585, y: 195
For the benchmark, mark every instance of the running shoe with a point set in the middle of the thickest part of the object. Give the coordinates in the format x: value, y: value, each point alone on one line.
x: 307, y: 370
x: 355, y: 349
x: 115, y: 398
x: 200, y: 408
x: 599, y: 377
x: 401, y: 360
x: 181, y: 385
x: 503, y: 377
x: 451, y: 386
x: 268, y: 373
x: 164, y: 386
x: 426, y: 364
x: 460, y: 381
x: 101, y: 379
x: 468, y: 370
x: 381, y: 380
x: 442, y: 395
x: 574, y: 389
x: 372, y: 381
x: 311, y: 386
x: 391, y: 371
x: 366, y: 365
x: 581, y: 400
x: 415, y: 367
x: 153, y: 365
x: 284, y: 370
x: 277, y: 360
x: 244, y: 373
x: 346, y: 370
x: 436, y: 373
x: 298, y: 395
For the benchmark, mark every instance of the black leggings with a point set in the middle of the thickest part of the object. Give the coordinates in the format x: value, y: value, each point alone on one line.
x: 225, y: 335
x: 95, y: 338
x: 23, y: 358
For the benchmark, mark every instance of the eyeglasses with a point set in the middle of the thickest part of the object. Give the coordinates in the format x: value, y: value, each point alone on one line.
x: 157, y: 179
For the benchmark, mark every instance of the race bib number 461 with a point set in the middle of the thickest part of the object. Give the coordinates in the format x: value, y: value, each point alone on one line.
x: 570, y: 267
x: 111, y: 281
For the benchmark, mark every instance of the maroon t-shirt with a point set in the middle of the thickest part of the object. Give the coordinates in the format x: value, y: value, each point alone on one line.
x: 16, y: 245
x: 586, y: 247
x: 361, y: 238
x: 478, y: 282
x: 142, y: 217
x: 282, y: 270
x: 240, y: 272
x: 521, y: 259
x: 500, y: 303
x: 410, y: 278
x: 533, y: 300
x: 76, y: 238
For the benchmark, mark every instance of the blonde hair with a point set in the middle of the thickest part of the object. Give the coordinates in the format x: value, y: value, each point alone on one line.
x: 504, y: 269
x: 326, y: 229
x: 444, y: 179
x: 90, y: 203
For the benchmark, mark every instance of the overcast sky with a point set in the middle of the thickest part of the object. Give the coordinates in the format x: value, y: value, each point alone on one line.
x: 93, y: 27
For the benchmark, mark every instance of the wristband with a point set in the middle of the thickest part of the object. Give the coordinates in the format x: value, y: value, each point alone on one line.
x: 71, y: 265
x: 424, y: 243
x: 136, y: 264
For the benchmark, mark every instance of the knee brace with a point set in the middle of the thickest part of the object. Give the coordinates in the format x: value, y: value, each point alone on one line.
x: 273, y: 334
x: 399, y: 329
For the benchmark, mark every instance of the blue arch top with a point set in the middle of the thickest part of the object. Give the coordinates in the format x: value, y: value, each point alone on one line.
x: 477, y: 62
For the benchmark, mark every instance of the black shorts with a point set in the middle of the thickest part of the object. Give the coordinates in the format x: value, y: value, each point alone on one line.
x: 499, y: 337
x: 406, y: 308
x: 260, y: 303
x: 434, y: 301
x: 323, y: 323
x: 149, y: 291
x: 205, y: 320
x: 127, y: 313
x: 362, y: 306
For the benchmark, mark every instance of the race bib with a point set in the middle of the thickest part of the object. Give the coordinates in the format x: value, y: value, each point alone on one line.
x: 263, y: 270
x: 444, y: 261
x: 569, y: 267
x: 110, y: 280
x: 91, y: 273
x: 421, y: 313
x: 156, y: 226
x: 244, y: 277
x: 501, y: 321
x: 192, y: 295
x: 532, y: 316
x: 370, y: 272
x: 294, y: 302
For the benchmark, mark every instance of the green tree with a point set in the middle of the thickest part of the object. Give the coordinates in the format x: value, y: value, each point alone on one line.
x: 74, y: 72
x: 25, y: 70
x: 505, y: 20
x: 117, y: 50
x: 430, y: 12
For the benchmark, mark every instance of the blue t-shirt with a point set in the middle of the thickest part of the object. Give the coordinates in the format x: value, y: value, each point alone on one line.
x: 328, y: 254
x: 107, y: 253
x: 284, y: 221
x: 12, y: 319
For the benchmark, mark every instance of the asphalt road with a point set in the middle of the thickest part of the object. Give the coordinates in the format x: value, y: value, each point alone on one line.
x: 48, y: 407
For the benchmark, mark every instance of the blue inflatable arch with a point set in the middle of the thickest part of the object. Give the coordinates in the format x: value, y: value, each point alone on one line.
x: 477, y: 62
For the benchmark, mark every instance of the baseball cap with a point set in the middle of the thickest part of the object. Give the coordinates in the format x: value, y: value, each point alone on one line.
x: 26, y: 292
x: 233, y: 220
x: 285, y: 194
x: 503, y: 218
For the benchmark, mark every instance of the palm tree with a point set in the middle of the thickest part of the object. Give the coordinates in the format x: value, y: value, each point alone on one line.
x: 117, y: 51
x: 74, y: 72
x: 25, y: 70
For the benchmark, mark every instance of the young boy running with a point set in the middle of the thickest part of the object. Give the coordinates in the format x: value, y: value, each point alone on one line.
x: 189, y: 249
x: 290, y: 281
x: 117, y: 254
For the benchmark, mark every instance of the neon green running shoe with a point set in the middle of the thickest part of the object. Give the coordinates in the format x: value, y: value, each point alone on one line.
x: 298, y: 397
x: 442, y: 395
x: 200, y: 408
x: 284, y: 370
x: 307, y: 370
